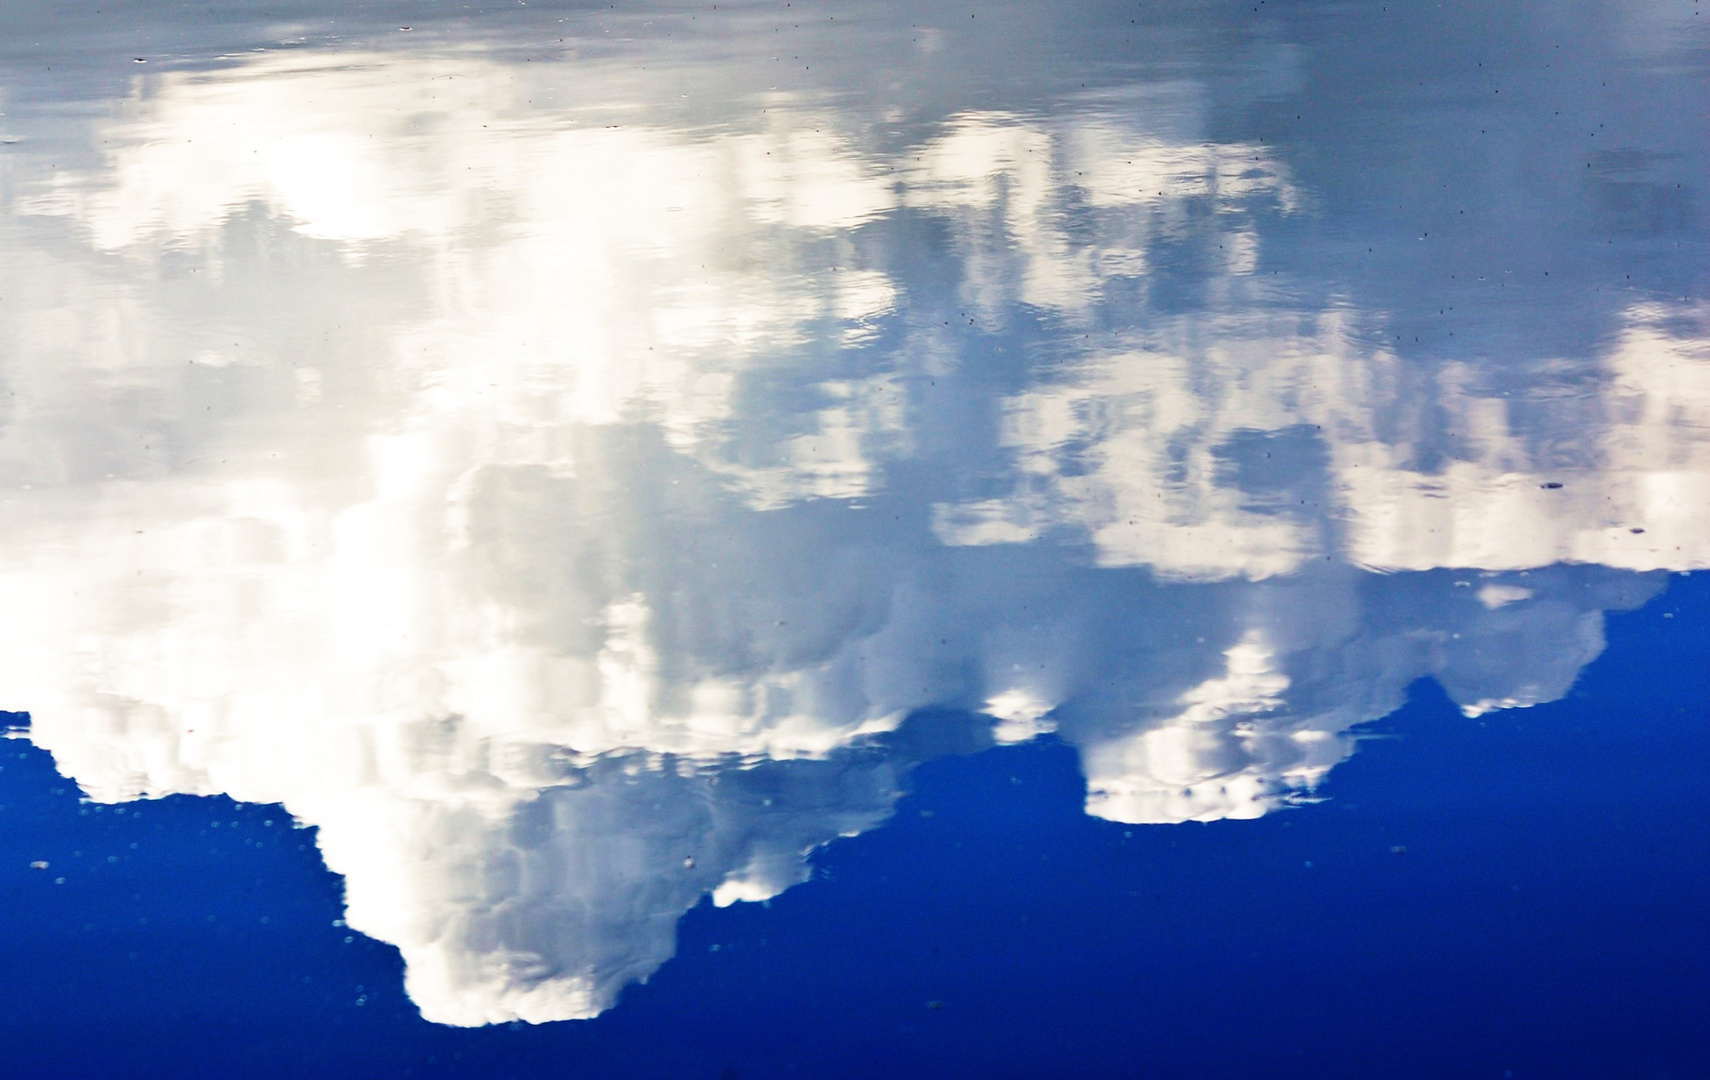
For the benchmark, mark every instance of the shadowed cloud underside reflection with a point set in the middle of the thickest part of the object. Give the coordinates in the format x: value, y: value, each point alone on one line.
x: 572, y: 513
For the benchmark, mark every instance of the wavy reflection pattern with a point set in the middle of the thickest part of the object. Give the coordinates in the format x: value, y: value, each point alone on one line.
x: 567, y: 513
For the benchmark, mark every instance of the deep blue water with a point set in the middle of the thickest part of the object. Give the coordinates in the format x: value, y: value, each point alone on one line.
x: 1545, y: 919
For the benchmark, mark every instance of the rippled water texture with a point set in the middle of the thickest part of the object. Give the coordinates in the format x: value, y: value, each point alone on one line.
x: 582, y: 460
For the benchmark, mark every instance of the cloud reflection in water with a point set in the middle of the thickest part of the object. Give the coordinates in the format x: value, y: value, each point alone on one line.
x: 573, y: 514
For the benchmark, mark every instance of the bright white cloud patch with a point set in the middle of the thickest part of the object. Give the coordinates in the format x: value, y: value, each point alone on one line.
x: 564, y: 511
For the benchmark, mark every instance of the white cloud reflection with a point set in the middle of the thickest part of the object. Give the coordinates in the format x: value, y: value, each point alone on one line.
x: 564, y: 511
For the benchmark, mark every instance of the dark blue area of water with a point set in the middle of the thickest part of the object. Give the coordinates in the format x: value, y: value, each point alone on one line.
x: 1519, y: 895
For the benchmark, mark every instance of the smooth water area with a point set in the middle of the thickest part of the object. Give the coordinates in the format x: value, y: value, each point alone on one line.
x: 855, y: 539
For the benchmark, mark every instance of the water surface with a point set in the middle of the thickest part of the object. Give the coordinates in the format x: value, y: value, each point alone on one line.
x: 588, y: 465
